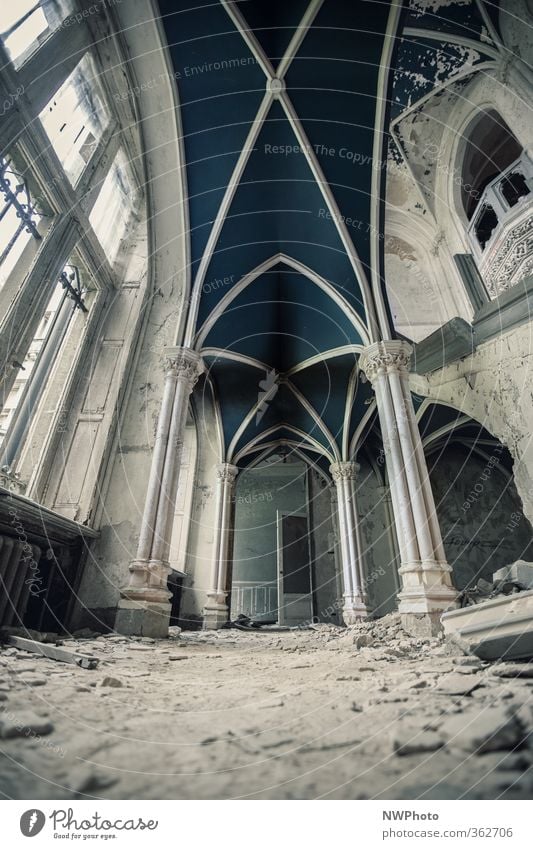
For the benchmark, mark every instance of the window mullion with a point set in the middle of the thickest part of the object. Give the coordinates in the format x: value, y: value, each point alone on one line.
x: 26, y: 310
x: 62, y: 196
x: 91, y: 181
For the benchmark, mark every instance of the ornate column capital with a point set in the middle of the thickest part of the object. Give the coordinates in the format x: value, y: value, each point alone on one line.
x: 393, y: 355
x: 344, y: 471
x: 226, y: 473
x: 185, y: 363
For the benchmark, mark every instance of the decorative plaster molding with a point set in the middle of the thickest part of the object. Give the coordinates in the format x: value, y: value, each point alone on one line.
x: 344, y: 471
x: 385, y: 357
x: 226, y: 472
x: 185, y: 363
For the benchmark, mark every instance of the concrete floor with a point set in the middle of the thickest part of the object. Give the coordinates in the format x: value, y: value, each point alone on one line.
x: 314, y: 714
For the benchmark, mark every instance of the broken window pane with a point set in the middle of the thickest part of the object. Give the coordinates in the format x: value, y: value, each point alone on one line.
x: 485, y: 225
x: 514, y: 187
x: 75, y: 119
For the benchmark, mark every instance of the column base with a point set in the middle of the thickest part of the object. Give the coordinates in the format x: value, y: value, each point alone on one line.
x: 354, y: 610
x: 143, y: 618
x: 422, y: 624
x: 427, y: 593
x: 216, y: 612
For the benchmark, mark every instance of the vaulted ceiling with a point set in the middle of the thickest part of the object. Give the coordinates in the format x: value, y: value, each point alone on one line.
x: 285, y: 107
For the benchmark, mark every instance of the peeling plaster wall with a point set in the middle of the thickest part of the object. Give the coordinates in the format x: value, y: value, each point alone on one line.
x: 415, y: 290
x: 378, y: 540
x: 480, y: 515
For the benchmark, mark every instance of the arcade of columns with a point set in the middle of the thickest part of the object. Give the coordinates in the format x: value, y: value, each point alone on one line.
x: 427, y: 587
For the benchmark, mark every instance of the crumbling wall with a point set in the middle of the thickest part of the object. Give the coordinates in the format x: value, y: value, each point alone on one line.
x: 493, y: 386
x: 480, y: 514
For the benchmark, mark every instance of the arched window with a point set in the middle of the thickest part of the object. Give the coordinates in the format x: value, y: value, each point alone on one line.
x: 494, y: 177
x: 490, y: 149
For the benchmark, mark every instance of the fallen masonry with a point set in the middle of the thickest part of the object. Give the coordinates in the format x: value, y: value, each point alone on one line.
x: 298, y: 714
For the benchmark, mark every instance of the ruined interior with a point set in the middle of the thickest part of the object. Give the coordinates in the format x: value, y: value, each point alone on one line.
x: 266, y: 278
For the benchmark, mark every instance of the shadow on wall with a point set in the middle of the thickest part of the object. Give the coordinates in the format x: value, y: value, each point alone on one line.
x: 480, y: 513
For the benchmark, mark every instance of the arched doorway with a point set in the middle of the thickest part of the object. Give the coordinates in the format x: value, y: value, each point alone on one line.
x: 284, y: 563
x: 479, y: 510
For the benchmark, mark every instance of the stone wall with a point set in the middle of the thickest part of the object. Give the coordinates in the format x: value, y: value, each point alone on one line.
x: 480, y: 514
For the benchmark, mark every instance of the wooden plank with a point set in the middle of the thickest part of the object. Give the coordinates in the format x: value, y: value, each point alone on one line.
x: 53, y: 652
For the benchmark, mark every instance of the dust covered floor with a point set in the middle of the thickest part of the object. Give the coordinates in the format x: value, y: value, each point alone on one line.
x: 334, y: 713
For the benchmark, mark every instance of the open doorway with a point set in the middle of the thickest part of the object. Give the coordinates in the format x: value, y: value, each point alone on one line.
x: 272, y: 574
x: 295, y: 590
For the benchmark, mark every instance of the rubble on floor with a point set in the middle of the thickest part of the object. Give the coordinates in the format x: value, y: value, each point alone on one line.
x: 358, y: 712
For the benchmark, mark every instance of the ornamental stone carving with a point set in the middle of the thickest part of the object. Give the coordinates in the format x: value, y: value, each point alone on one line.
x: 510, y: 259
x: 226, y: 472
x: 385, y: 357
x: 344, y: 471
x: 185, y: 363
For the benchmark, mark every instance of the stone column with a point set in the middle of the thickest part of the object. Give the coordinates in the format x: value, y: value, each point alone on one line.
x: 427, y: 588
x: 216, y: 611
x: 144, y: 605
x: 355, y: 602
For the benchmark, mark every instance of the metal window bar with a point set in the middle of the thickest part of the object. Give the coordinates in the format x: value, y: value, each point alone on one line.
x: 16, y: 195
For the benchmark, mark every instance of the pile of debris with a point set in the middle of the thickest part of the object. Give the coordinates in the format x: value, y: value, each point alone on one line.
x: 496, y: 620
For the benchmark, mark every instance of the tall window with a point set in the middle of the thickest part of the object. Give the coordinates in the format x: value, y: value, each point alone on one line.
x: 24, y: 24
x: 75, y: 119
x: 67, y: 297
x: 18, y: 217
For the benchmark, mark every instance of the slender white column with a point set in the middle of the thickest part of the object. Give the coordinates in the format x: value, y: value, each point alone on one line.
x: 427, y: 587
x: 436, y: 536
x: 144, y: 606
x: 399, y: 490
x: 216, y: 609
x: 170, y: 477
x: 344, y: 475
x: 158, y: 459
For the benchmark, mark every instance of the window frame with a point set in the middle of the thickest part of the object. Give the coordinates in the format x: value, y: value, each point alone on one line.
x: 69, y: 205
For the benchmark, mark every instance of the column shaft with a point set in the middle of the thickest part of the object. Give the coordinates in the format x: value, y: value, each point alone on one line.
x: 144, y: 606
x: 146, y: 535
x: 216, y: 609
x: 427, y: 588
x: 352, y: 568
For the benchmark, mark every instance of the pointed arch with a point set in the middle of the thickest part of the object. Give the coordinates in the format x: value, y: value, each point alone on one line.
x: 262, y: 268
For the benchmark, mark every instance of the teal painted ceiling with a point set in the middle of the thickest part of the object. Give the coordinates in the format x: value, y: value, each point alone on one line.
x: 285, y: 193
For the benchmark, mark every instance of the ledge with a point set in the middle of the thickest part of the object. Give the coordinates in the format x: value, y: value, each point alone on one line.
x: 453, y: 341
x: 38, y: 521
x: 457, y: 338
